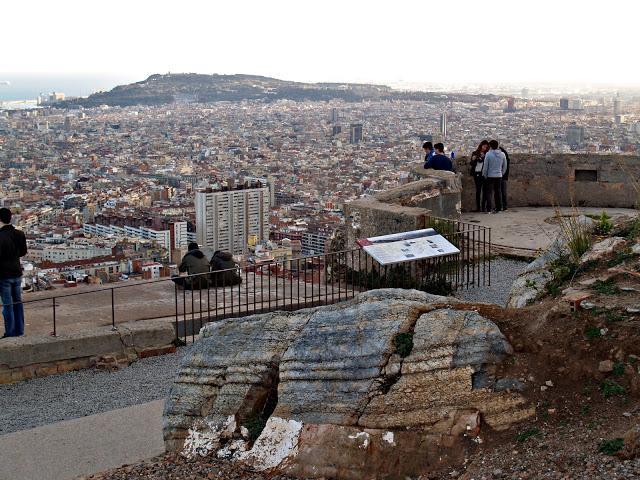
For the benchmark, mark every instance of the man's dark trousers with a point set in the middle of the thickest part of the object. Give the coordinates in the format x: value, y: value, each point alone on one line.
x: 492, y: 188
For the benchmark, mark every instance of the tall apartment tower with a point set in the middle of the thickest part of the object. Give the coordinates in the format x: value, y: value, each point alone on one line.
x: 226, y: 219
x: 333, y: 116
x: 355, y: 134
x: 564, y: 104
x: 443, y: 125
x: 575, y: 135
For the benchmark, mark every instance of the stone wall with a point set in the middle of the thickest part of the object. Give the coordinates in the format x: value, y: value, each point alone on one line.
x: 404, y: 208
x: 38, y: 355
x: 561, y: 179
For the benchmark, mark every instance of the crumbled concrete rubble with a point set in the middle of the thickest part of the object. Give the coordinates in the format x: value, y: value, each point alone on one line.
x: 338, y: 397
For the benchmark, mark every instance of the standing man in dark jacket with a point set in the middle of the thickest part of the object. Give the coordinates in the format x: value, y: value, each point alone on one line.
x: 505, y: 177
x: 13, y: 245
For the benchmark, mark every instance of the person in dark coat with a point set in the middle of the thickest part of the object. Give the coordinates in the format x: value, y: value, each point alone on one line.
x: 224, y: 271
x: 440, y: 161
x: 13, y: 245
x: 193, y: 263
x: 505, y: 177
x: 477, y: 161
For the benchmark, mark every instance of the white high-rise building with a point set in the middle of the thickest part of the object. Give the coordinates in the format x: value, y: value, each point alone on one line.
x: 226, y: 219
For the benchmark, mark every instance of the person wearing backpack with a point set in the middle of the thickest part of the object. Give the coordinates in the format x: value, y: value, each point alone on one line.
x: 477, y: 162
x: 13, y: 245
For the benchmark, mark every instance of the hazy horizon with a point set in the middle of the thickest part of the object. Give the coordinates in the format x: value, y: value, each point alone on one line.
x: 383, y: 42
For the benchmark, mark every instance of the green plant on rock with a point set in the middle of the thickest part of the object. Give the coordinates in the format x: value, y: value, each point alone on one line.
x: 611, y: 447
x: 606, y: 287
x: 562, y: 269
x: 527, y: 434
x: 592, y: 332
x: 255, y: 425
x: 610, y: 388
x: 618, y: 369
x: 604, y: 225
x: 403, y: 343
x: 620, y: 256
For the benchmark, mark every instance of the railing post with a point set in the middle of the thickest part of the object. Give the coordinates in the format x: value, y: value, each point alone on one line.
x: 113, y: 311
x: 175, y: 289
x: 55, y: 333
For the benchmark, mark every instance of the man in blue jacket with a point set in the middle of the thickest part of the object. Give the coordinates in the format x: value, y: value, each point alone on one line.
x: 494, y: 167
x: 439, y: 161
x: 429, y: 152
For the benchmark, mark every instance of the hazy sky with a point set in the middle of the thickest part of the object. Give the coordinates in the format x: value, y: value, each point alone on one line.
x: 317, y: 40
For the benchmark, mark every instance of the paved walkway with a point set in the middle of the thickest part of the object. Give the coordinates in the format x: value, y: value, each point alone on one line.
x: 82, y: 446
x: 527, y: 229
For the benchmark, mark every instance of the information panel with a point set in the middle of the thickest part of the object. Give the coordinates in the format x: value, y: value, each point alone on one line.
x: 407, y: 246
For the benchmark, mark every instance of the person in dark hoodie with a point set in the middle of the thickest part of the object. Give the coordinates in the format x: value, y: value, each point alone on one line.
x: 477, y: 161
x: 224, y: 271
x: 194, y: 262
x: 13, y: 245
x: 505, y: 177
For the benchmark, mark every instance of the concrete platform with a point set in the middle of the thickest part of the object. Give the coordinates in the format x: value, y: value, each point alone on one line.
x: 523, y: 231
x: 83, y: 446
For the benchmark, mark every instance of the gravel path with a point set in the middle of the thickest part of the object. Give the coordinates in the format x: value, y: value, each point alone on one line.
x: 503, y: 273
x: 44, y: 400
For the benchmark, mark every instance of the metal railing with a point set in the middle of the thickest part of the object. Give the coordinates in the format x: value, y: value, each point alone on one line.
x: 277, y: 285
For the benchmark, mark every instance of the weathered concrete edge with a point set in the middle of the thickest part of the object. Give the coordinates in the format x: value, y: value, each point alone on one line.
x: 39, y: 355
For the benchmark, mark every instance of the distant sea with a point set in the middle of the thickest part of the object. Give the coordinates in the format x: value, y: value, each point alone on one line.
x: 24, y: 86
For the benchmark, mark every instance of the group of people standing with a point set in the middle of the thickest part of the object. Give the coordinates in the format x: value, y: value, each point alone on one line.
x: 490, y: 171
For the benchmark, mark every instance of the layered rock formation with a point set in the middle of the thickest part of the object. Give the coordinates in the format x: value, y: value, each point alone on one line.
x: 393, y: 382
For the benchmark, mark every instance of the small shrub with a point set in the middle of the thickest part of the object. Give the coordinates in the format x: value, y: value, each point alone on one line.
x: 530, y: 283
x: 403, y: 343
x: 437, y: 286
x: 604, y: 225
x: 619, y: 257
x: 618, y: 369
x: 592, y: 332
x: 609, y: 388
x: 562, y: 269
x: 611, y: 447
x: 575, y: 232
x: 612, y: 316
x: 606, y: 287
x: 527, y: 434
x: 585, y: 410
x: 630, y: 230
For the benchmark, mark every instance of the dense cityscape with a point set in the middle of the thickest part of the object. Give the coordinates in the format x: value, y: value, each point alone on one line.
x: 109, y: 192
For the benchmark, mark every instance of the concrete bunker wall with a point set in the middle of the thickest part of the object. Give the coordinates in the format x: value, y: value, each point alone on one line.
x: 404, y: 208
x: 561, y: 179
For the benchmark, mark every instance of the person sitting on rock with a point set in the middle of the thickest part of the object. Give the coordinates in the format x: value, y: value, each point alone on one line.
x: 195, y: 265
x: 224, y: 271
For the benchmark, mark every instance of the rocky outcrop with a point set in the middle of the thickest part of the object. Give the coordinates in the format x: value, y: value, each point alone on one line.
x: 393, y: 382
x: 531, y: 283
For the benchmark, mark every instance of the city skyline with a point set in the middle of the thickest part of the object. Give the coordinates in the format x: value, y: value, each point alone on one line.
x: 541, y: 42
